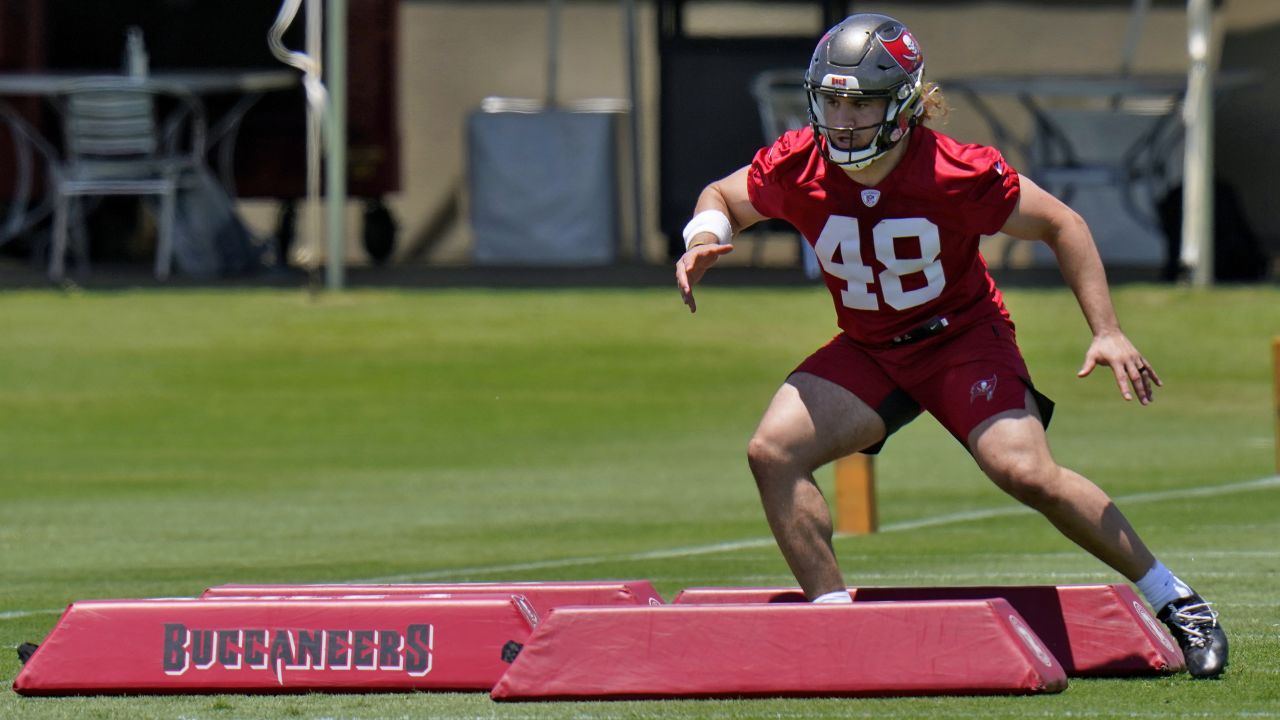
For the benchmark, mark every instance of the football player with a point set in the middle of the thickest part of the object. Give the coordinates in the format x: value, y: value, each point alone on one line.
x: 894, y: 211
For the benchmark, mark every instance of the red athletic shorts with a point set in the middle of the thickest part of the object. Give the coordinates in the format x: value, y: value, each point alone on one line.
x: 961, y: 376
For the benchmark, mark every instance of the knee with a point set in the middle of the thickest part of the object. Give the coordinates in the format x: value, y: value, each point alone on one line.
x: 766, y: 454
x: 1031, y: 479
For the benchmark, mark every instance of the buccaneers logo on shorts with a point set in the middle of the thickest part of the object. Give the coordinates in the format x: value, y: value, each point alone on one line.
x: 985, y: 387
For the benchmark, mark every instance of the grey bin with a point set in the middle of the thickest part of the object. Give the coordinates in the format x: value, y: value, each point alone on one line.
x: 543, y: 182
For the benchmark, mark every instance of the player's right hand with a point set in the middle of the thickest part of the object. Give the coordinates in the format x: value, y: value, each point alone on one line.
x: 693, y: 265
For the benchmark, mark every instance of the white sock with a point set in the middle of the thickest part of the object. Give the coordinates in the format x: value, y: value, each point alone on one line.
x: 835, y: 597
x: 1161, y: 587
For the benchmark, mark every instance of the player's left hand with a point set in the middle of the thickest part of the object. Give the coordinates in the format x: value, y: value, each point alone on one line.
x: 1134, y: 375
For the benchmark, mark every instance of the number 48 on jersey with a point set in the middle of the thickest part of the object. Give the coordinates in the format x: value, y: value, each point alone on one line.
x: 842, y: 233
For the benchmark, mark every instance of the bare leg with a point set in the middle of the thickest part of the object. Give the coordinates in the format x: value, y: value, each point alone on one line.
x: 810, y: 422
x: 1011, y: 448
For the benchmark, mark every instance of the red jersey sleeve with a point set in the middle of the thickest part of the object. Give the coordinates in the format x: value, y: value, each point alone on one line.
x: 990, y: 184
x: 765, y: 188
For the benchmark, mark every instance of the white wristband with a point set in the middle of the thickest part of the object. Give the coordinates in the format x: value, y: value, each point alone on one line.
x: 712, y: 221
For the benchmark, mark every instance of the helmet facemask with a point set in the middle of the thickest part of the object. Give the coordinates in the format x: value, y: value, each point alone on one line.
x: 866, y: 56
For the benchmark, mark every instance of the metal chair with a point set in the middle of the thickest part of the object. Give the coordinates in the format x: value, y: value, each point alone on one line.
x: 116, y: 144
x: 781, y: 98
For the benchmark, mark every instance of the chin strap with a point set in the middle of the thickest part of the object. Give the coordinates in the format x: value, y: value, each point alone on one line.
x: 856, y: 164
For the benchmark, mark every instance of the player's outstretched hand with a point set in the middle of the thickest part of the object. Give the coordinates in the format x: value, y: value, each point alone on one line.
x: 1134, y: 375
x: 693, y: 265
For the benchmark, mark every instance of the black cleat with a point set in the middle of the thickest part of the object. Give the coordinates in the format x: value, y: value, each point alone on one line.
x: 1194, y: 624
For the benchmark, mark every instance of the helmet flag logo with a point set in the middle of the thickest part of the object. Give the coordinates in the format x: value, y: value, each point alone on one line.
x: 905, y: 50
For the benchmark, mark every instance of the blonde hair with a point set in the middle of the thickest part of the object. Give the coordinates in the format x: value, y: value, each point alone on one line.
x: 935, y: 105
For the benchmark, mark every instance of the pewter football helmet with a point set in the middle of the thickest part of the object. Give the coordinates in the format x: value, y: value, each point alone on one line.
x: 867, y: 55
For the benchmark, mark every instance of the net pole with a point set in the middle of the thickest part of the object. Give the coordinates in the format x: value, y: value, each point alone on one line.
x: 637, y: 158
x: 1197, y: 187
x: 336, y: 144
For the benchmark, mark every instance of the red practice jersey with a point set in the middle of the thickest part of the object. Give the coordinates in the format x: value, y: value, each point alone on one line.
x: 906, y: 251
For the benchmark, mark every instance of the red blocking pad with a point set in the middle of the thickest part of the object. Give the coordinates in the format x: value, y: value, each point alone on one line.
x: 867, y: 649
x: 1094, y: 630
x: 277, y: 646
x: 543, y: 595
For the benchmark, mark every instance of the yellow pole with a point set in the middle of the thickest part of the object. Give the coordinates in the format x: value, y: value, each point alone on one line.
x: 856, y: 494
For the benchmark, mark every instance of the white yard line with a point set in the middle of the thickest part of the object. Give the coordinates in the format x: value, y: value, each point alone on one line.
x: 16, y: 614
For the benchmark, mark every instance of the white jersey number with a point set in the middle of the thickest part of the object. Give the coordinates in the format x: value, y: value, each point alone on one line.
x: 842, y: 233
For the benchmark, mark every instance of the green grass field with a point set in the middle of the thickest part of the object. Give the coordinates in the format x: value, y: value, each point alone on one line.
x: 153, y: 443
